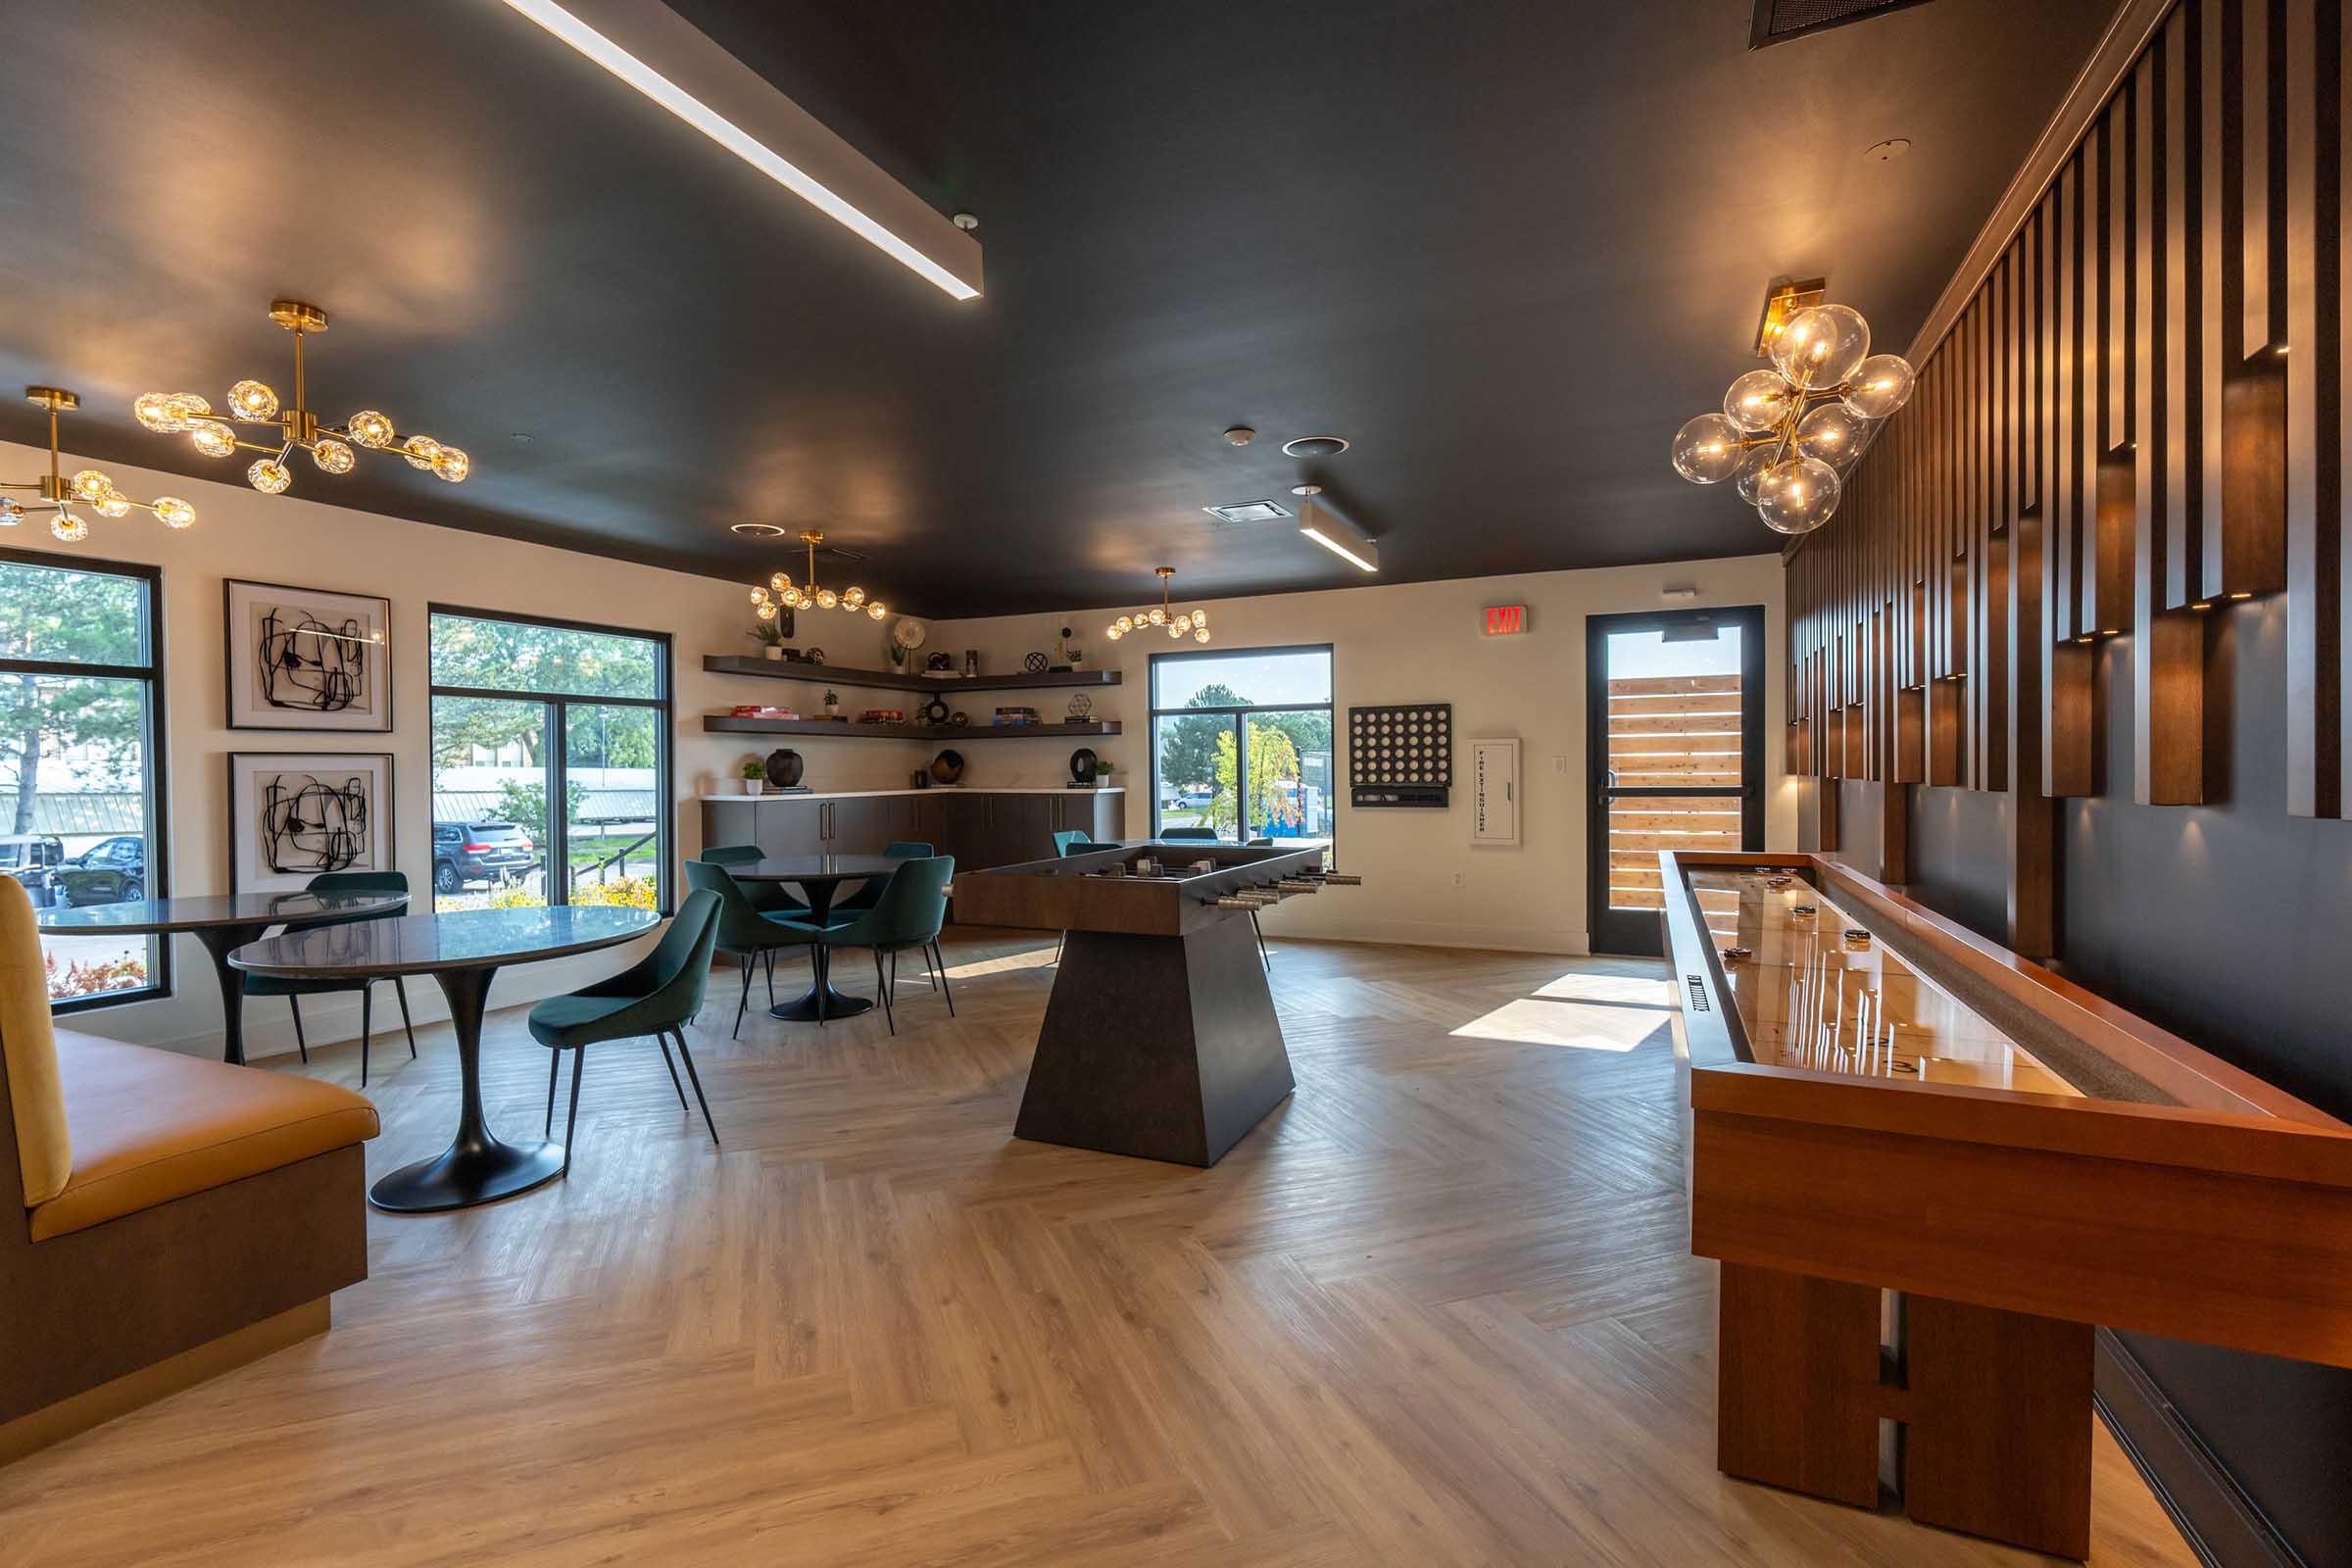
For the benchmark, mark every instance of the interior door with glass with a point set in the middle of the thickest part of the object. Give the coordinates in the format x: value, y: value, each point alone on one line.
x: 1675, y: 705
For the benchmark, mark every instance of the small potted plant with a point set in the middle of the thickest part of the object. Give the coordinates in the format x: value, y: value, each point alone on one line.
x: 832, y: 703
x: 755, y: 776
x: 769, y: 635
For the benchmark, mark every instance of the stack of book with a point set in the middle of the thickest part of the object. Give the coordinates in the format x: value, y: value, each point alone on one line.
x: 1016, y: 715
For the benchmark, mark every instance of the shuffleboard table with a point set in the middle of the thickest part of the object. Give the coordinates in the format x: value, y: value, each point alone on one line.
x: 1161, y: 1038
x: 1930, y: 1169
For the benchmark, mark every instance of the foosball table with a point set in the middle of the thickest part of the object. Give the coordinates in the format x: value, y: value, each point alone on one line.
x: 1160, y: 1040
x: 1931, y: 1169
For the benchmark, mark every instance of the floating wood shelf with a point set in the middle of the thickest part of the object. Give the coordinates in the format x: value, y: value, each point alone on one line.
x: 729, y: 724
x: 893, y: 680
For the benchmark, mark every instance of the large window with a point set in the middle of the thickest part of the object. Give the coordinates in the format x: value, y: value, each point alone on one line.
x: 1241, y: 742
x: 551, y: 763
x: 79, y: 768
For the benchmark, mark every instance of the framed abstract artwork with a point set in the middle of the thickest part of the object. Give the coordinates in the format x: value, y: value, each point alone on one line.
x: 306, y: 659
x: 293, y: 815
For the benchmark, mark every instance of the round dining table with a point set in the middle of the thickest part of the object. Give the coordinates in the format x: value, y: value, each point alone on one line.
x: 819, y: 878
x: 461, y: 949
x: 222, y: 922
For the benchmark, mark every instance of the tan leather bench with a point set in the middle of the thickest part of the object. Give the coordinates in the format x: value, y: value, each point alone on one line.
x: 178, y: 1216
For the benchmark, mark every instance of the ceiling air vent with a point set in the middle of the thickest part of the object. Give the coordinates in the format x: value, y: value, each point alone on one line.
x: 1248, y: 512
x: 1779, y: 21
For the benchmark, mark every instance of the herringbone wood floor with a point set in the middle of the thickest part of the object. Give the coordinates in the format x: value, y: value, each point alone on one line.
x: 1436, y: 1310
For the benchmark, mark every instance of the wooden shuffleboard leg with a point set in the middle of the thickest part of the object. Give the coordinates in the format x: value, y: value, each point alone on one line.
x: 1162, y: 1047
x: 1798, y: 1383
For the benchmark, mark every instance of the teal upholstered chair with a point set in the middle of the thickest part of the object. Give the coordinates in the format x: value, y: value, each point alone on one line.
x: 657, y: 996
x: 768, y: 898
x: 912, y: 908
x: 1070, y: 843
x: 270, y: 985
x: 872, y: 891
x: 1189, y: 835
x: 744, y: 931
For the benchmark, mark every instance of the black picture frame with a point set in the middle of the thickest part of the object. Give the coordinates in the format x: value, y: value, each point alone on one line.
x: 385, y: 809
x: 237, y: 672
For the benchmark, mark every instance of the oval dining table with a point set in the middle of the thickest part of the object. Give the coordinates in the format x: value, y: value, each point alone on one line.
x: 819, y: 878
x: 222, y: 922
x: 461, y: 949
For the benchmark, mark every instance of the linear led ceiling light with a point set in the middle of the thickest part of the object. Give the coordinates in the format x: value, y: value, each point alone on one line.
x: 661, y: 55
x: 1334, y: 532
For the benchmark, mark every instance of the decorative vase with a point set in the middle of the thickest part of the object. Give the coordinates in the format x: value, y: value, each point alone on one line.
x: 784, y: 767
x: 774, y: 651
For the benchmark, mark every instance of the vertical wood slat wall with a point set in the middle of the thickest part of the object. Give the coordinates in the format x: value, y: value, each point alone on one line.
x: 2139, y: 416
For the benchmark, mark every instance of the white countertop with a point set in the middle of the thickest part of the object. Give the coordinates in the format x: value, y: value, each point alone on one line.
x: 937, y: 789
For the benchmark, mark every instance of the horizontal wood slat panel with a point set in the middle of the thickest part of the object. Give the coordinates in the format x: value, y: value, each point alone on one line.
x: 1659, y: 685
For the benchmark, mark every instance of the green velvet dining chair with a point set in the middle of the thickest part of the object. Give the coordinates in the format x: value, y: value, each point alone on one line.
x: 871, y: 889
x: 745, y: 932
x: 1068, y: 843
x: 271, y: 985
x: 659, y: 996
x: 910, y: 913
x: 1188, y: 835
x: 768, y: 898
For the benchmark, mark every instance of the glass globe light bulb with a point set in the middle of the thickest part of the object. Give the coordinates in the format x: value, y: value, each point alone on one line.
x: 765, y: 612
x: 1834, y: 433
x: 332, y: 455
x: 114, y: 504
x: 371, y: 428
x: 174, y: 512
x: 252, y: 400
x: 1758, y: 400
x: 1181, y: 622
x: 1707, y: 449
x: 759, y: 596
x: 1125, y: 624
x: 1819, y: 348
x: 214, y: 439
x: 1799, y: 497
x: 1200, y: 634
x: 1112, y: 631
x: 453, y: 464
x: 1880, y: 385
x: 68, y: 528
x: 167, y: 413
x: 89, y: 485
x: 1200, y: 617
x: 826, y: 599
x: 10, y: 514
x: 853, y: 596
x: 269, y: 476
x: 420, y: 451
x: 779, y: 582
x: 1754, y: 469
x: 1175, y: 631
x: 877, y: 609
x: 1158, y: 617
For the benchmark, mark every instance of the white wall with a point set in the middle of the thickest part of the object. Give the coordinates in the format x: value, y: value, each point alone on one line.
x: 1415, y: 642
x: 298, y: 539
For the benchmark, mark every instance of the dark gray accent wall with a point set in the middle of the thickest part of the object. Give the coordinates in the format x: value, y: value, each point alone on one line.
x: 1959, y: 855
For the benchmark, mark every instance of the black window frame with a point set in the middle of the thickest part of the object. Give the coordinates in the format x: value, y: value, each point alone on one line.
x: 159, y: 986
x: 558, y: 731
x: 1154, y: 714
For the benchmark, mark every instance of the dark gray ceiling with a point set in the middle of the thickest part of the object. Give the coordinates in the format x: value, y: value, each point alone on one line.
x: 1503, y: 248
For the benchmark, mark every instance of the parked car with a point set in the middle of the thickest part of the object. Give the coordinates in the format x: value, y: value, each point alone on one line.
x: 33, y: 859
x: 112, y: 871
x: 498, y: 854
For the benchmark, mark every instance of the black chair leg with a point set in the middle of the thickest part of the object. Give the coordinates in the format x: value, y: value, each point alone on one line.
x: 367, y: 1027
x: 771, y: 955
x: 400, y: 987
x: 945, y: 989
x: 571, y: 1118
x: 745, y: 999
x: 929, y: 973
x: 1059, y: 936
x: 882, y: 988
x: 554, y: 1065
x: 663, y: 1040
x: 697, y: 1079
x: 300, y: 1044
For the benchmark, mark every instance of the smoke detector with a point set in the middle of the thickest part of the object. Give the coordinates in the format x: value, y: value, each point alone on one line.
x: 1241, y: 435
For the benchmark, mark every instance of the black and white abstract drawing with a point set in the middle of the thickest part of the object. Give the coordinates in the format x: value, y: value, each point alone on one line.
x: 293, y: 815
x: 306, y: 659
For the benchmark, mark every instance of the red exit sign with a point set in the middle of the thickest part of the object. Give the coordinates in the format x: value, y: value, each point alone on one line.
x: 1505, y: 621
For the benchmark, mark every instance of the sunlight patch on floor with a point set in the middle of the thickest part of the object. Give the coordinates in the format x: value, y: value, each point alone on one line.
x: 1625, y: 989
x: 1041, y: 957
x: 1535, y: 1022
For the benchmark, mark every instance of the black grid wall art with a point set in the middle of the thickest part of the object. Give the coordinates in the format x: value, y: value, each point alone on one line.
x: 1400, y: 754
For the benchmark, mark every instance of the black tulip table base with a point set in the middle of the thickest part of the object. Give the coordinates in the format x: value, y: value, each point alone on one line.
x: 802, y: 1008
x: 477, y: 1167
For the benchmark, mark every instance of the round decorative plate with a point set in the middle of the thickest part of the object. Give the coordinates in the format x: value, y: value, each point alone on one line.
x: 908, y: 632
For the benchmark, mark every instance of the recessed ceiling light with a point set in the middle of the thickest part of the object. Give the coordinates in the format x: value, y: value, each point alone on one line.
x: 668, y: 59
x: 1241, y: 435
x: 521, y: 438
x: 756, y: 530
x: 1317, y: 446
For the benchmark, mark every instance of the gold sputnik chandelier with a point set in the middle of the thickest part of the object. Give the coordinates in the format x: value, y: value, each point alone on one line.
x: 1787, y: 436
x: 1180, y: 623
x: 781, y: 593
x: 88, y: 488
x: 255, y: 403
